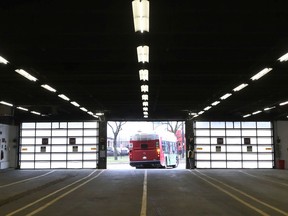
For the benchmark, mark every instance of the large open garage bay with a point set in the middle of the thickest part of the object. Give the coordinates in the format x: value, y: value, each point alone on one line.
x: 144, y: 192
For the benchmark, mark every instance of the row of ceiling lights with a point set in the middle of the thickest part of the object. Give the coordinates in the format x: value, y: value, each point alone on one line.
x: 47, y: 87
x: 141, y: 24
x: 242, y: 86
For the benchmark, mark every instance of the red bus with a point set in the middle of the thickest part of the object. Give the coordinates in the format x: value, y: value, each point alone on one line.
x: 153, y: 150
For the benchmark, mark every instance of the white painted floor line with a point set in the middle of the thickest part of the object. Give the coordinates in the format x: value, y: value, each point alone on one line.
x: 51, y: 194
x: 25, y: 180
x: 144, y: 196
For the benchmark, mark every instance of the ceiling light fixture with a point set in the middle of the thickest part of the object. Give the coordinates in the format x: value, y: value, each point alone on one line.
x: 100, y: 114
x: 261, y: 73
x: 284, y: 103
x: 144, y: 75
x: 254, y: 113
x: 225, y: 96
x: 240, y: 87
x: 3, y: 61
x: 145, y: 97
x: 26, y: 75
x: 215, y: 103
x: 269, y: 108
x: 22, y: 108
x: 36, y: 113
x: 84, y: 109
x: 6, y: 103
x: 75, y: 103
x: 145, y: 108
x: 207, y: 108
x: 144, y: 88
x: 145, y: 103
x: 201, y: 112
x: 64, y: 97
x: 143, y: 54
x: 145, y: 113
x: 49, y: 88
x: 141, y: 15
x: 283, y: 58
x: 245, y: 116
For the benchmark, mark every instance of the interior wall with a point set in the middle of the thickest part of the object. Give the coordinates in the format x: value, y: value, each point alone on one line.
x: 8, y: 146
x: 281, y: 129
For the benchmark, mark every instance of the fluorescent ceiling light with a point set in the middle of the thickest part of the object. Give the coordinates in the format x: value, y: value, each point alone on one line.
x: 261, y: 73
x: 145, y: 113
x: 144, y: 75
x: 254, y: 113
x: 238, y: 88
x: 144, y: 88
x: 3, y: 61
x: 100, y: 114
x: 284, y: 103
x: 90, y: 113
x: 36, y: 113
x: 245, y: 116
x: 207, y: 108
x: 49, y: 88
x: 283, y: 58
x: 75, y: 103
x: 190, y: 113
x: 141, y: 15
x: 22, y: 108
x: 64, y: 97
x: 26, y: 75
x: 195, y: 116
x: 145, y: 116
x: 6, y: 103
x: 145, y: 108
x: 145, y: 97
x: 269, y: 108
x: 143, y: 54
x: 225, y: 96
x: 201, y: 112
x: 215, y: 103
x: 145, y: 103
x: 84, y: 109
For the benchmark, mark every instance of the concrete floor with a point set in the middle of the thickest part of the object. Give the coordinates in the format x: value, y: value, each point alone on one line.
x: 141, y: 192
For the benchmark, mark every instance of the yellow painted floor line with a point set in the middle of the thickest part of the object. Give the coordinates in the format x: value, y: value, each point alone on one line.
x: 144, y: 196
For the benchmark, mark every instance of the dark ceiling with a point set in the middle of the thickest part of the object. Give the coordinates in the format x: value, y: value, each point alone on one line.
x: 199, y: 51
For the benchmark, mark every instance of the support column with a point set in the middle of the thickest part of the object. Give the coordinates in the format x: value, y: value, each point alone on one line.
x: 102, y: 156
x: 189, y: 137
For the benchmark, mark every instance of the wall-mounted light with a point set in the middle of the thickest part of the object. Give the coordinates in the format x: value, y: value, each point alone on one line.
x: 261, y: 73
x: 144, y: 75
x: 143, y: 54
x: 3, y: 60
x: 141, y: 15
x: 26, y: 75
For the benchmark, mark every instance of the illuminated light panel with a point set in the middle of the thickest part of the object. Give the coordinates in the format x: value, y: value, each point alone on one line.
x: 225, y: 96
x: 145, y: 103
x: 26, y: 75
x: 240, y: 87
x: 6, y: 103
x: 255, y: 113
x: 215, y: 103
x: 145, y: 113
x: 284, y: 103
x: 283, y: 58
x: 90, y: 113
x: 195, y: 116
x: 100, y: 114
x: 144, y: 88
x: 145, y: 116
x: 141, y: 15
x: 201, y: 112
x: 269, y: 108
x: 3, y: 60
x: 245, y: 116
x: 75, y: 104
x: 144, y: 75
x: 36, y: 113
x: 84, y: 109
x: 49, y: 88
x: 261, y: 74
x: 64, y: 97
x: 207, y: 108
x: 145, y: 97
x: 22, y: 108
x: 145, y: 108
x: 191, y: 113
x: 143, y: 54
